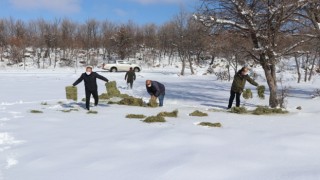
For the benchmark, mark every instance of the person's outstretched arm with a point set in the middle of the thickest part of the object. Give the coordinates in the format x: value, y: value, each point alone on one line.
x: 101, y: 77
x: 251, y: 81
x: 134, y: 76
x: 125, y: 77
x: 78, y: 81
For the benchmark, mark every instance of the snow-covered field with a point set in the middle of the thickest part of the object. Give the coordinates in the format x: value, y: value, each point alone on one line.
x: 79, y: 146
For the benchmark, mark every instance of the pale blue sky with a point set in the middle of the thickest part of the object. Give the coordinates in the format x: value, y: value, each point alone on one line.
x: 139, y: 11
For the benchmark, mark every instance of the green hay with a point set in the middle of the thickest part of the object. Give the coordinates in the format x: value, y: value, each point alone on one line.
x: 169, y: 114
x: 135, y: 116
x: 44, y: 103
x: 209, y: 124
x: 261, y: 90
x: 112, y: 89
x: 112, y: 102
x: 72, y: 93
x: 239, y: 110
x: 198, y: 113
x: 153, y: 102
x: 104, y: 96
x: 131, y: 101
x: 247, y: 94
x: 36, y: 111
x: 154, y: 119
x: 123, y: 96
x: 69, y: 110
x: 92, y: 112
x: 265, y: 110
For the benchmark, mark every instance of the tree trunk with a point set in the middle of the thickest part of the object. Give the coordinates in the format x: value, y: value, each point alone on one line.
x: 1, y: 54
x: 306, y: 69
x: 228, y: 68
x: 190, y: 64
x: 183, y: 64
x: 55, y: 58
x: 312, y: 67
x: 270, y: 73
x: 298, y: 68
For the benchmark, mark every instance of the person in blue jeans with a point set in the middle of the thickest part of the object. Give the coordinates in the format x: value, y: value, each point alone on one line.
x: 156, y: 90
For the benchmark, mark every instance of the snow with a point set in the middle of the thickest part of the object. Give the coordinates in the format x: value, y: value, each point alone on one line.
x: 56, y: 145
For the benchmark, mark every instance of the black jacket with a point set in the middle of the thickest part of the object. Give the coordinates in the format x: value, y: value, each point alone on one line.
x: 90, y: 81
x: 239, y: 81
x: 130, y: 76
x: 156, y: 89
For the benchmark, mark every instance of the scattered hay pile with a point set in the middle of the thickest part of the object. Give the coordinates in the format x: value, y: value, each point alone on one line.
x: 69, y: 110
x: 247, y: 94
x: 72, y: 93
x: 92, y: 112
x: 262, y: 110
x: 261, y: 90
x: 239, y: 110
x: 104, y: 96
x: 169, y: 114
x: 153, y: 102
x: 131, y: 101
x: 135, y: 116
x: 154, y: 119
x: 198, y: 113
x: 209, y: 124
x: 36, y: 111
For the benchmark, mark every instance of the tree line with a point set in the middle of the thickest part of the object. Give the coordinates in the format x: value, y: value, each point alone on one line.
x: 64, y: 40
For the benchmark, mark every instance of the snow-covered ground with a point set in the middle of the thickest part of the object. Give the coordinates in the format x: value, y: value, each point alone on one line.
x: 62, y: 146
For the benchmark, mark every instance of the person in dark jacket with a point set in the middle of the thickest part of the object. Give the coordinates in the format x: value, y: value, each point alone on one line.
x: 156, y: 90
x: 90, y: 83
x: 130, y: 77
x: 239, y: 81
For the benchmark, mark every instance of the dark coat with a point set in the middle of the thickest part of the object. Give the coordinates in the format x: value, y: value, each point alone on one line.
x: 156, y: 89
x: 239, y: 81
x: 90, y: 81
x: 130, y: 76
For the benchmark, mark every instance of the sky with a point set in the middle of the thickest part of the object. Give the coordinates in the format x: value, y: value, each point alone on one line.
x: 121, y: 11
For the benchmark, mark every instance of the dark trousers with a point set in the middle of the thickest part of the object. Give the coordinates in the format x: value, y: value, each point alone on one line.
x: 161, y: 99
x: 95, y: 96
x: 232, y: 96
x: 130, y: 83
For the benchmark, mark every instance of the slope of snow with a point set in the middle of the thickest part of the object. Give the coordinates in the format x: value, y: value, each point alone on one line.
x: 56, y: 145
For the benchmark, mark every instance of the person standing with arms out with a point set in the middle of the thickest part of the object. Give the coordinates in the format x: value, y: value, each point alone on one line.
x: 90, y: 83
x: 130, y: 77
x: 239, y: 81
x: 156, y: 90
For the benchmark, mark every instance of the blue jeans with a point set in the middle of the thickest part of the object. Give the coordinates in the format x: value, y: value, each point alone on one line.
x: 161, y: 99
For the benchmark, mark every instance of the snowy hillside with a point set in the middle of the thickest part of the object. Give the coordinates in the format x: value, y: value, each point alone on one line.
x: 56, y: 145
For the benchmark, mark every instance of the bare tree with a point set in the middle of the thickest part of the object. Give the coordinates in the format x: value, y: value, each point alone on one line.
x: 262, y: 22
